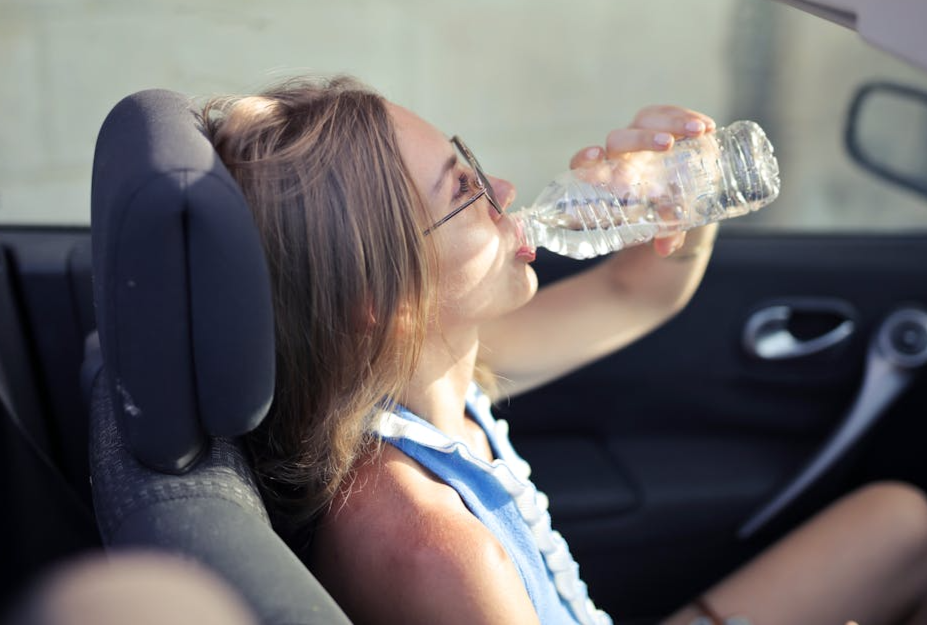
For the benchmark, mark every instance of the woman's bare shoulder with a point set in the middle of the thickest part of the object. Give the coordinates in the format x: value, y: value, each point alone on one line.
x: 391, y: 499
x: 398, y: 536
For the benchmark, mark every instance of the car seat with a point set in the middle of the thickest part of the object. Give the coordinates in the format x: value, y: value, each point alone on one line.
x: 184, y: 363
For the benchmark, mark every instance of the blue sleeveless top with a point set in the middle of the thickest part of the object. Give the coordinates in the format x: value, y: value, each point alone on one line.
x: 502, y: 497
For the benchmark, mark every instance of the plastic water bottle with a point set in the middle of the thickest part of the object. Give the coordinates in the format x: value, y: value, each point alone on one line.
x: 615, y: 204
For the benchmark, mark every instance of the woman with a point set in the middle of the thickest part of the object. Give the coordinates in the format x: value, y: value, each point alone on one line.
x: 398, y: 281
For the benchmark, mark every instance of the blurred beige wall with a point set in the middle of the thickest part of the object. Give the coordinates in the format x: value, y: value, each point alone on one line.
x: 525, y: 82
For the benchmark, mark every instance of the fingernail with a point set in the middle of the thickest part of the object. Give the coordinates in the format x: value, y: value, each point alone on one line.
x: 695, y: 126
x: 663, y: 139
x: 592, y: 153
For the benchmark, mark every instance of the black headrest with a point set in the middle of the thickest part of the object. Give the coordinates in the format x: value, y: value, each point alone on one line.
x: 181, y: 287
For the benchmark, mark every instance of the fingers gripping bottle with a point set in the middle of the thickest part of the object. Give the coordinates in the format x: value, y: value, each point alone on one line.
x: 618, y: 203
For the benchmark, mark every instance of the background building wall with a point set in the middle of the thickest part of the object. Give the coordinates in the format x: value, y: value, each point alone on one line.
x: 525, y: 82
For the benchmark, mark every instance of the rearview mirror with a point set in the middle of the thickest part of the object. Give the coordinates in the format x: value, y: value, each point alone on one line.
x: 886, y: 133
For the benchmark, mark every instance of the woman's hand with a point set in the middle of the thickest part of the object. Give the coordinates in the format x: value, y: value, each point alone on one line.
x: 656, y: 129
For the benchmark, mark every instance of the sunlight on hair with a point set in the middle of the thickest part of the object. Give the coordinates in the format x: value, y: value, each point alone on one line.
x: 256, y: 106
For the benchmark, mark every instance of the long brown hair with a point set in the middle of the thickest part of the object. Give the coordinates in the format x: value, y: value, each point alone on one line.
x: 341, y: 224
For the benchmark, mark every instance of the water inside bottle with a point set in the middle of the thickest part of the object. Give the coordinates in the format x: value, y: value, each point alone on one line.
x: 588, y: 222
x: 614, y: 205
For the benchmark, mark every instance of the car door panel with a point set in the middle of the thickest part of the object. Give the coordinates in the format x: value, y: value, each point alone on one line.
x: 52, y: 274
x: 45, y: 489
x: 693, y: 434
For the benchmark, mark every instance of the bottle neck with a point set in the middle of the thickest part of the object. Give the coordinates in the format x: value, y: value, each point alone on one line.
x: 526, y: 226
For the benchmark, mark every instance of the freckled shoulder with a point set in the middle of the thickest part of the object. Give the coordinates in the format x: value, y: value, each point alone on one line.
x: 401, y: 546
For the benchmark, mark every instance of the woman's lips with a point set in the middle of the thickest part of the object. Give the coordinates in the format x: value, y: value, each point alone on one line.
x: 525, y: 251
x: 526, y: 254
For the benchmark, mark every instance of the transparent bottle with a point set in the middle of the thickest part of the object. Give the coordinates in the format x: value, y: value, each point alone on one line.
x: 615, y: 204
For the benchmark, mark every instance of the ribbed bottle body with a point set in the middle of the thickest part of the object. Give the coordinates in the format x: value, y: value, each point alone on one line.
x: 615, y: 204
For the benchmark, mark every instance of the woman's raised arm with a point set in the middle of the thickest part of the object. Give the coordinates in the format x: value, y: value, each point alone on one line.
x: 591, y: 314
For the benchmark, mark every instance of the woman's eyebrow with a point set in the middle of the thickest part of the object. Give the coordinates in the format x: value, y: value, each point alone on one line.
x: 449, y: 164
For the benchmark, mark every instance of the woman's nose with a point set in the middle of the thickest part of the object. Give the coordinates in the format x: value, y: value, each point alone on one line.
x: 503, y: 190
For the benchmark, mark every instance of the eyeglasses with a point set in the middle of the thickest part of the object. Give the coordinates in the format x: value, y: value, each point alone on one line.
x: 485, y: 188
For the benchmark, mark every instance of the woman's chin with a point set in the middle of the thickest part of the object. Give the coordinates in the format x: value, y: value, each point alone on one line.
x: 530, y: 285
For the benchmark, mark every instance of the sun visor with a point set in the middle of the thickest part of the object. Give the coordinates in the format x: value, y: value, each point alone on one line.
x: 896, y: 26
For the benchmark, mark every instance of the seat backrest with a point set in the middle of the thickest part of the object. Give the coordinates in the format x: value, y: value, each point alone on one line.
x: 185, y: 326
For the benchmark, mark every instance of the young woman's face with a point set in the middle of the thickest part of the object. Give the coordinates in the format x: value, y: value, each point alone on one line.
x: 483, y: 266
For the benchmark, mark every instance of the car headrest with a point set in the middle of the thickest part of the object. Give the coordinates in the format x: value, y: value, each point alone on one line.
x: 181, y: 288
